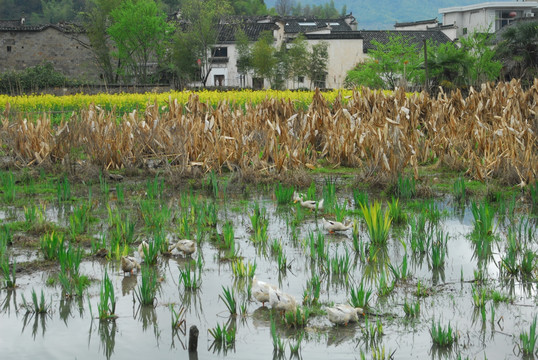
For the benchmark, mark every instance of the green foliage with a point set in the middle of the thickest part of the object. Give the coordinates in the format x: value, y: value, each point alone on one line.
x: 36, y: 306
x: 224, y: 337
x: 483, y: 65
x: 459, y: 190
x: 283, y: 194
x: 518, y: 50
x: 198, y: 34
x: 318, y: 62
x: 312, y: 291
x: 146, y: 292
x: 107, y: 301
x: 10, y: 277
x: 263, y: 59
x: 189, y: 279
x: 244, y: 55
x: 7, y: 180
x: 411, y: 310
x: 528, y: 340
x: 297, y: 318
x: 442, y: 336
x: 298, y: 58
x: 228, y: 297
x: 360, y: 296
x: 51, y: 244
x: 483, y: 219
x: 389, y: 64
x: 249, y: 7
x: 377, y: 221
x: 32, y: 79
x: 139, y: 31
x: 278, y: 343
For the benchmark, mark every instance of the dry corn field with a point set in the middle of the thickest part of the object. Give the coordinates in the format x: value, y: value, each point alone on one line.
x: 489, y: 134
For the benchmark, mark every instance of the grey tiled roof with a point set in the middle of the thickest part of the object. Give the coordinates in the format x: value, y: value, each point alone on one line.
x: 15, y: 25
x: 420, y: 22
x: 304, y: 25
x: 413, y: 36
x: 250, y: 26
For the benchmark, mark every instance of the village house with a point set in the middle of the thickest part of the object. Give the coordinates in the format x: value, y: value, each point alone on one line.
x: 23, y: 46
x: 347, y: 46
x: 486, y: 17
x: 63, y: 45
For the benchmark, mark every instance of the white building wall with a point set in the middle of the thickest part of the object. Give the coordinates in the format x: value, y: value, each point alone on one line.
x: 344, y: 54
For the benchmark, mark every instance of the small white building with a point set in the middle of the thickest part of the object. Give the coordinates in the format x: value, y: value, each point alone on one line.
x: 486, y: 17
x: 343, y: 40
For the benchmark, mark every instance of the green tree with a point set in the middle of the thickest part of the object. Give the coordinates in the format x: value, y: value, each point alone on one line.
x: 184, y: 59
x: 448, y: 65
x: 298, y: 56
x: 200, y: 25
x: 317, y: 67
x: 483, y: 65
x: 263, y: 56
x: 249, y: 7
x: 389, y: 64
x: 54, y: 11
x: 244, y: 56
x: 518, y: 51
x: 139, y: 30
x: 96, y: 20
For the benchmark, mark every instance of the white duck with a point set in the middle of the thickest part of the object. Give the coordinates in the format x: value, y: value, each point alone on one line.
x: 342, y: 314
x: 128, y: 264
x: 187, y: 247
x: 298, y: 196
x: 281, y: 301
x: 331, y: 226
x: 260, y: 290
x: 143, y: 245
x: 309, y: 204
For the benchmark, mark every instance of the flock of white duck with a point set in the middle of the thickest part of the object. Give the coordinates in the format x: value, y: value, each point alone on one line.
x: 340, y: 314
x: 131, y: 263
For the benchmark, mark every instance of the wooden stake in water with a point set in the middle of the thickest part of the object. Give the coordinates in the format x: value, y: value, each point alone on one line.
x: 193, y: 341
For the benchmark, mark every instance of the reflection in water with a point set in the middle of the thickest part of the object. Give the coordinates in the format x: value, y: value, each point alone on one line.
x: 37, y: 320
x: 128, y: 283
x: 438, y: 274
x: 441, y: 353
x: 340, y: 334
x: 107, y: 334
x: 66, y: 307
x: 6, y: 307
x: 377, y: 262
x: 147, y: 316
x: 217, y: 346
x: 192, y: 301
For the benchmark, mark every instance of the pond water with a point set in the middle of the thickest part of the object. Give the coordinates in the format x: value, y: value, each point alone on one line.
x: 71, y: 329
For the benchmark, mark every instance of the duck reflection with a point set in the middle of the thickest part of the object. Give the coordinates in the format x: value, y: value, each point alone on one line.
x: 128, y: 283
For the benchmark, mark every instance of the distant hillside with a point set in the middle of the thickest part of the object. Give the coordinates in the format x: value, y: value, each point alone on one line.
x: 383, y: 14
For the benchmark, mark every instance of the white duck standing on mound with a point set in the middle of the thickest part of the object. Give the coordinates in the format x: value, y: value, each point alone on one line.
x: 260, y: 290
x: 331, y: 226
x: 281, y: 301
x: 342, y: 314
x: 309, y: 204
x: 128, y: 264
x: 187, y: 247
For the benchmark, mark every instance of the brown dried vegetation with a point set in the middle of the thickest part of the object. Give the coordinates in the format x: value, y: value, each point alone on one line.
x: 491, y: 133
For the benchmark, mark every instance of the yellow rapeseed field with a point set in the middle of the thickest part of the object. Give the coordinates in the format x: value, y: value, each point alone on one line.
x: 127, y: 102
